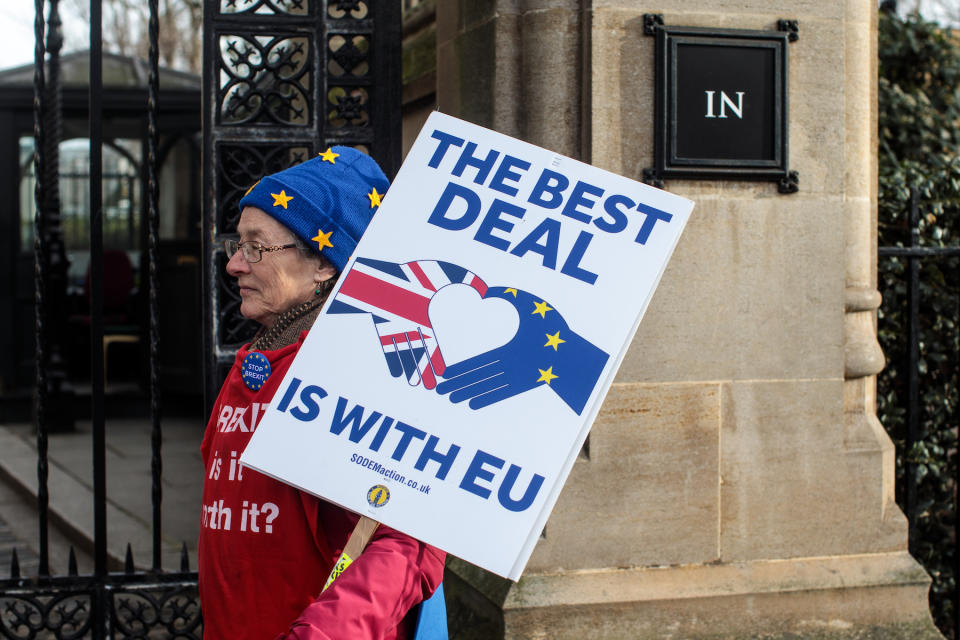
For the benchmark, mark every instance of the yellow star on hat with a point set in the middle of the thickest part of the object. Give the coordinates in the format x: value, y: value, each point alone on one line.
x: 251, y: 188
x: 329, y: 156
x: 281, y: 199
x: 374, y: 198
x: 322, y: 239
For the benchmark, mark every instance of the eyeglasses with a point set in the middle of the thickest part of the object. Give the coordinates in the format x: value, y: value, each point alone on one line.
x: 253, y: 250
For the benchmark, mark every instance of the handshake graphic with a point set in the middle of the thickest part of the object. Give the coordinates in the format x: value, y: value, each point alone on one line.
x: 543, y: 351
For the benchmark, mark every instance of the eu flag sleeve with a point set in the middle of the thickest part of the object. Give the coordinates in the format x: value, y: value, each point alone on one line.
x: 544, y: 351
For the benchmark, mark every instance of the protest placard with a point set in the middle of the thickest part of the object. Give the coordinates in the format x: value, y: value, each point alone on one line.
x: 455, y: 371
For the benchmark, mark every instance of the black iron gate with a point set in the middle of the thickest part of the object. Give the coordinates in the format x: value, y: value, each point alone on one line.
x: 103, y: 604
x: 283, y: 79
x: 918, y: 397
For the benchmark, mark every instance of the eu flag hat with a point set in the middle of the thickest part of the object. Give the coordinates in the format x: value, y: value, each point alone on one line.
x: 328, y: 201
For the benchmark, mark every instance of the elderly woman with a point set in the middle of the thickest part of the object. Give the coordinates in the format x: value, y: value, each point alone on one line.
x: 266, y: 549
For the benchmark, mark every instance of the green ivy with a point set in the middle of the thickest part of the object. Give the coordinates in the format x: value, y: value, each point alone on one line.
x: 919, y: 119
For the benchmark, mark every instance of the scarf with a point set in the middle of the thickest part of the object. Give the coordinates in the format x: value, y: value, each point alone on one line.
x: 292, y: 322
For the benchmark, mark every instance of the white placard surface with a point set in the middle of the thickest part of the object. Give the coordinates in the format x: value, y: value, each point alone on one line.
x: 455, y: 371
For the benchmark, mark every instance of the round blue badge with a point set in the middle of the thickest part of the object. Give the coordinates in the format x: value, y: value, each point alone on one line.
x: 255, y: 370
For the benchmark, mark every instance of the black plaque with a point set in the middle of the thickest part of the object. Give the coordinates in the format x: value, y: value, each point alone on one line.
x: 721, y: 104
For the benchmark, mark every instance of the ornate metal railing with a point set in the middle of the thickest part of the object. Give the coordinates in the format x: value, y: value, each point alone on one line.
x: 918, y: 395
x: 284, y: 79
x: 133, y: 604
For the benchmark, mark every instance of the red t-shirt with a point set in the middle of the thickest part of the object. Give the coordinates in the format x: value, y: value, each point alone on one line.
x: 266, y: 549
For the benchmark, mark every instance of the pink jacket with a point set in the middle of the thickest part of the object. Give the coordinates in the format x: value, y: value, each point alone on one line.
x: 266, y: 548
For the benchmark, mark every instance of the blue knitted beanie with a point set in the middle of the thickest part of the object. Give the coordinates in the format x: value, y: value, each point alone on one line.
x: 327, y: 201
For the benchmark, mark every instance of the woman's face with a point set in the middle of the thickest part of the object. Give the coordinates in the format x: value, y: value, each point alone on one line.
x: 282, y: 279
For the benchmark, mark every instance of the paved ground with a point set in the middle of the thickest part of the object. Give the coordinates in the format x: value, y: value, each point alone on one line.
x: 10, y: 542
x: 129, y: 481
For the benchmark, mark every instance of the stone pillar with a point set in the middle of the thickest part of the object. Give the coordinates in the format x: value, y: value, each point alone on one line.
x: 737, y: 482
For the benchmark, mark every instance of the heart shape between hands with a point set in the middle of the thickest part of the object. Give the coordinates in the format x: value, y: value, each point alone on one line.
x: 466, y: 325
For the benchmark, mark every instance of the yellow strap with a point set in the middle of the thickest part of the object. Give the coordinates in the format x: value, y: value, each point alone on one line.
x: 358, y: 540
x: 341, y: 566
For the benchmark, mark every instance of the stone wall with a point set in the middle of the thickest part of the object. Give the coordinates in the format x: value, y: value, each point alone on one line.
x: 737, y: 482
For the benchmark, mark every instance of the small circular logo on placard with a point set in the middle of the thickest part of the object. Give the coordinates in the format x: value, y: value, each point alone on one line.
x: 378, y: 495
x: 255, y: 370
